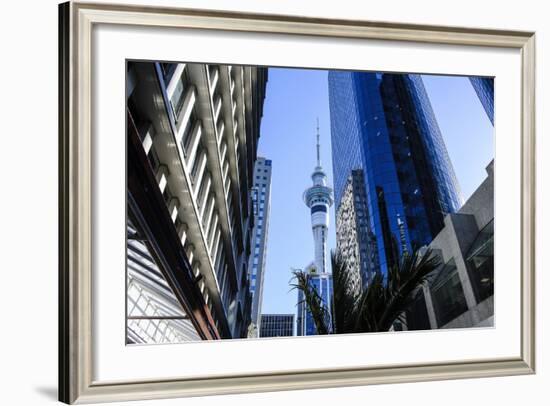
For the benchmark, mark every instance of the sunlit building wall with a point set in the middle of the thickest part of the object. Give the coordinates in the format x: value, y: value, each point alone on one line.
x: 461, y: 292
x: 261, y: 198
x: 354, y: 241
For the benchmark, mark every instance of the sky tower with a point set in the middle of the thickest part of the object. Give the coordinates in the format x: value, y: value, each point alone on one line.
x: 319, y: 199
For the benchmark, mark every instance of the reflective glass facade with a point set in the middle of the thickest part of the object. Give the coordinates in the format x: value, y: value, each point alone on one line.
x: 277, y: 325
x: 485, y: 89
x: 322, y: 283
x: 384, y: 124
x: 354, y: 240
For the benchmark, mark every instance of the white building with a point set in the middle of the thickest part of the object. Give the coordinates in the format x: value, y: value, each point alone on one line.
x: 192, y: 139
x: 261, y: 198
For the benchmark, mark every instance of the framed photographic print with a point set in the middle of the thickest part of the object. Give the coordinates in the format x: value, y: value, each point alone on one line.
x: 264, y: 202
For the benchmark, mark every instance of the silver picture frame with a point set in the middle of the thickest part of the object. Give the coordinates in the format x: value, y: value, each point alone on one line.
x: 76, y: 22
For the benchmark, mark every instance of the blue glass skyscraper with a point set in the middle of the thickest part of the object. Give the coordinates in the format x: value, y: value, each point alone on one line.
x: 485, y: 89
x: 384, y: 124
x: 322, y: 283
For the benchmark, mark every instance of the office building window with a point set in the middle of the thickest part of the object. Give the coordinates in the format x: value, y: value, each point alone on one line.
x: 417, y: 314
x: 480, y: 261
x: 448, y: 295
x: 178, y: 96
x: 168, y: 70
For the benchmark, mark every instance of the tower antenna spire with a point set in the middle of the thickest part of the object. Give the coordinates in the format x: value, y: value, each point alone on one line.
x: 318, y: 145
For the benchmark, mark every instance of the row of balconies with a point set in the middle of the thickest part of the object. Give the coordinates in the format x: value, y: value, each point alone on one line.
x: 195, y: 157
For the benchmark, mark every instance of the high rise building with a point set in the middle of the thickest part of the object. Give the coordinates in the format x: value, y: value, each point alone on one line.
x: 354, y: 241
x: 318, y: 198
x: 277, y: 325
x: 485, y: 89
x: 261, y: 200
x: 192, y: 134
x: 322, y: 283
x: 384, y: 125
x: 461, y: 292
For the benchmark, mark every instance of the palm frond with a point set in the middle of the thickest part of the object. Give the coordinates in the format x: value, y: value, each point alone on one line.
x: 384, y: 300
x: 313, y: 301
x: 345, y: 298
x: 404, y: 282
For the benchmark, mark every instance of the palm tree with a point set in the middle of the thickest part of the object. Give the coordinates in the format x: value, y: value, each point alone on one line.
x: 375, y: 308
x: 313, y: 300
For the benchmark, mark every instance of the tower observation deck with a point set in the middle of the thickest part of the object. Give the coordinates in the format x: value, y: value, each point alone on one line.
x: 319, y: 199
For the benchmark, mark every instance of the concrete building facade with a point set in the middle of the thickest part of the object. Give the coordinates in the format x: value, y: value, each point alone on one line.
x: 192, y: 139
x: 261, y: 200
x: 354, y: 241
x: 461, y: 292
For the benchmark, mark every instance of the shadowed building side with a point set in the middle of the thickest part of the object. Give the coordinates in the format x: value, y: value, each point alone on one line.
x: 261, y: 200
x: 192, y: 138
x: 384, y: 125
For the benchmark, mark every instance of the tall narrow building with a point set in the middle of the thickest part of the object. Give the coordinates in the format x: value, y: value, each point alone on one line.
x: 261, y: 200
x: 354, y: 241
x: 384, y: 125
x: 485, y: 90
x: 322, y: 283
x: 318, y: 198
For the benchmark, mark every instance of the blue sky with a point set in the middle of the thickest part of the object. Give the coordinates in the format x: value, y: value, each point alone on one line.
x: 294, y: 100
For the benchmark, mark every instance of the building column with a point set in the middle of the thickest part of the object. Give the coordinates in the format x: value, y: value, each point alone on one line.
x: 216, y: 247
x: 193, y: 146
x: 464, y: 231
x: 182, y: 233
x: 185, y: 114
x: 204, y: 197
x: 430, y: 307
x: 171, y: 86
x: 200, y: 173
x: 213, y: 227
x: 209, y: 213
